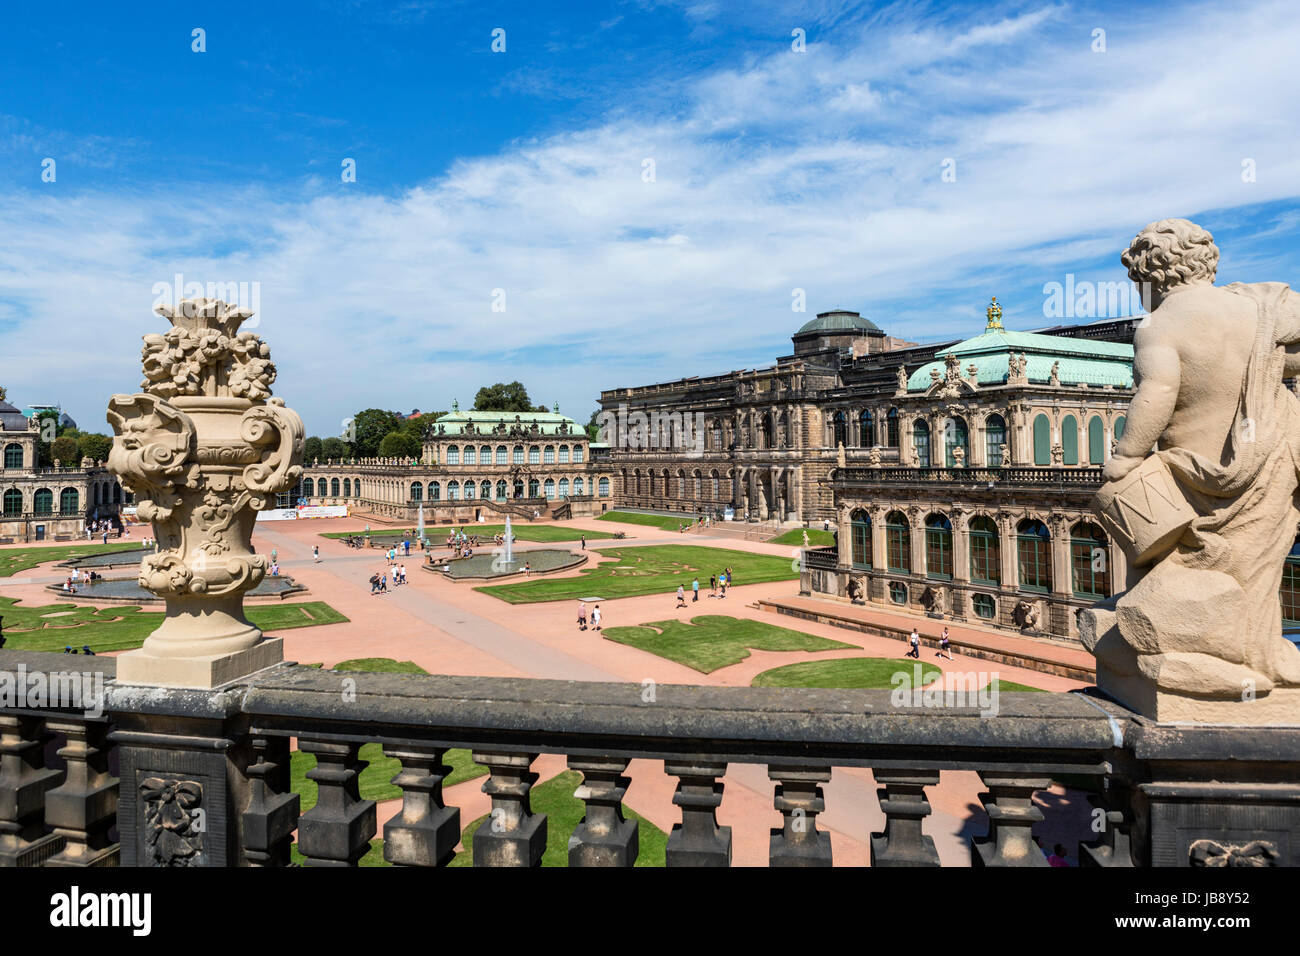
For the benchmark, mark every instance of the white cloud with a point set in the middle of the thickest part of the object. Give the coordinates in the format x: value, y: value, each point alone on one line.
x: 819, y: 171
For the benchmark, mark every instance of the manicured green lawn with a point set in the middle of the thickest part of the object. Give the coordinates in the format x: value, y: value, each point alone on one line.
x: 1009, y: 686
x: 51, y: 627
x: 872, y: 673
x: 380, y: 665
x: 564, y: 812
x: 649, y: 570
x: 816, y: 538
x: 374, y: 856
x: 711, y: 641
x: 666, y: 522
x: 13, y: 560
x: 523, y: 531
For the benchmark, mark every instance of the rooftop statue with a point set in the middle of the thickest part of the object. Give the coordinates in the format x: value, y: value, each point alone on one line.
x: 1201, y: 493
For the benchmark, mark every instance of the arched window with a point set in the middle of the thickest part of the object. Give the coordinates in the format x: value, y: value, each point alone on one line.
x: 1119, y: 427
x: 501, y: 490
x: 604, y: 487
x: 417, y: 491
x: 453, y: 454
x: 839, y: 429
x: 518, y: 455
x: 471, y: 455
x: 69, y: 501
x: 1034, y: 553
x: 1096, y: 441
x: 334, y: 487
x: 13, y: 455
x: 564, y: 454
x: 1289, y: 592
x: 898, y: 543
x: 533, y: 487
x: 564, y: 488
x: 435, y: 491
x: 1042, y: 441
x: 955, y: 435
x: 938, y: 547
x: 13, y: 503
x: 469, y: 490
x: 347, y: 487
x: 715, y: 484
x: 866, y: 429
x: 995, y: 436
x: 308, y: 489
x: 578, y: 487
x: 485, y: 455
x: 534, y: 455
x: 519, y: 488
x: 577, y: 454
x: 43, y: 501
x: 501, y: 454
x: 453, y: 490
x: 549, y: 457
x: 985, y: 551
x: 921, y: 442
x: 891, y: 428
x: 1069, y: 440
x: 860, y: 538
x: 549, y: 487
x: 1089, y: 561
x: 485, y: 489
x: 766, y: 432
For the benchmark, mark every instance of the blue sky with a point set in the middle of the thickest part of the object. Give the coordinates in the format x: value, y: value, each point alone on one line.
x: 775, y: 169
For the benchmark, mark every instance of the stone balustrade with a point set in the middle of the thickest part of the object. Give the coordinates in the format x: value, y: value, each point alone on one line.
x: 1083, y: 479
x: 201, y: 778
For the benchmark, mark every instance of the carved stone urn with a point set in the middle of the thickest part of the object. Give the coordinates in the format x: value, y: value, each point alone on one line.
x: 203, y: 448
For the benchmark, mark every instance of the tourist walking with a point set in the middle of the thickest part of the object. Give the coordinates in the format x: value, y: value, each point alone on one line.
x: 713, y: 585
x: 695, y: 590
x: 374, y: 583
x: 402, y: 571
x: 583, y: 537
x: 722, y: 583
x: 681, y: 596
x: 943, y: 644
x: 595, y: 618
x: 915, y: 641
x: 582, y: 615
x: 315, y: 552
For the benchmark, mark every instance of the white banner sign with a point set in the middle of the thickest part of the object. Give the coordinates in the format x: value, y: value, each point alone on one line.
x: 323, y: 511
x: 278, y: 514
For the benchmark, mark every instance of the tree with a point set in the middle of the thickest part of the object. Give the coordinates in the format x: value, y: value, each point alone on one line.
x: 47, y: 422
x: 64, y: 449
x: 311, y: 449
x: 420, y: 423
x: 95, y: 446
x: 593, y: 426
x: 369, y: 428
x: 400, y: 444
x: 503, y: 398
x: 334, y: 448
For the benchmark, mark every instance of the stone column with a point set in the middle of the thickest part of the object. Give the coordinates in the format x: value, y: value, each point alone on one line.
x: 204, y: 448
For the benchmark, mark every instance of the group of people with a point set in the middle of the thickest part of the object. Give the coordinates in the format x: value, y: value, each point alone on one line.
x: 103, y: 528
x: 582, y: 616
x: 395, y: 572
x: 89, y: 576
x: 914, y: 644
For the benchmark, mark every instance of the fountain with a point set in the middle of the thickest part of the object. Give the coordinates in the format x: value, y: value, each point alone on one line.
x: 419, y: 526
x: 509, y: 557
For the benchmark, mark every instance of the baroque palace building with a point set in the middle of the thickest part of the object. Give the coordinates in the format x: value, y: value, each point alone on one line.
x: 476, y: 465
x: 43, y: 503
x: 957, y: 476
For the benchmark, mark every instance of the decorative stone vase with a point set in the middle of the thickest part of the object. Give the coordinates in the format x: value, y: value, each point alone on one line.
x: 204, y: 447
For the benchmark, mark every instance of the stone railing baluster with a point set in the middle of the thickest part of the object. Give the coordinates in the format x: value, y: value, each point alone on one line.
x: 84, y: 807
x: 272, y: 813
x: 337, y: 831
x: 1012, y: 815
x: 1114, y: 848
x: 902, y: 798
x: 24, y: 781
x: 698, y: 840
x: 799, y: 798
x: 426, y: 832
x: 604, y: 837
x: 512, y: 835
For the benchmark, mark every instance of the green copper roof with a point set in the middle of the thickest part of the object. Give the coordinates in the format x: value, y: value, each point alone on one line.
x: 838, y: 321
x: 1082, y: 361
x: 548, y: 423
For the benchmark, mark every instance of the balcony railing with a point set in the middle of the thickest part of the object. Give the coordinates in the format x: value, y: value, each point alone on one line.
x: 1080, y: 478
x: 226, y: 753
x: 821, y: 559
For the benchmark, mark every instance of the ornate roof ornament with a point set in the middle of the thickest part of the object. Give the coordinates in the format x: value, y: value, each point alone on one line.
x: 994, y: 313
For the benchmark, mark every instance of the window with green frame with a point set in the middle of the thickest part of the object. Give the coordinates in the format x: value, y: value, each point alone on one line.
x: 984, y: 606
x: 13, y: 455
x: 1034, y: 551
x: 897, y: 592
x: 985, y: 551
x: 1290, y: 590
x: 1089, y: 561
x: 1042, y: 441
x: 891, y: 428
x: 921, y: 442
x: 955, y: 435
x: 938, y: 547
x: 860, y: 537
x: 898, y: 544
x: 995, y: 436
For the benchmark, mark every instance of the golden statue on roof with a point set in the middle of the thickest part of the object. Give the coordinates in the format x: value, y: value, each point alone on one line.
x: 994, y: 312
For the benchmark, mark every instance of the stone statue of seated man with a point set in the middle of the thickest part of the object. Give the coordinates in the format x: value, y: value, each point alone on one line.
x: 1201, y: 493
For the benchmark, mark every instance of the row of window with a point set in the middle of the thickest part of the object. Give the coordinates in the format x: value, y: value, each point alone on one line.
x: 483, y: 455
x: 43, y: 501
x: 549, y: 488
x: 660, y: 484
x: 1089, y: 554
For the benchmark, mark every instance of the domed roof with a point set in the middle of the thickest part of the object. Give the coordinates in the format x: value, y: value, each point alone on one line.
x: 840, y: 320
